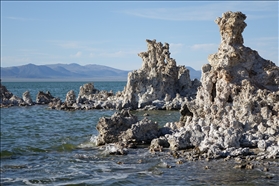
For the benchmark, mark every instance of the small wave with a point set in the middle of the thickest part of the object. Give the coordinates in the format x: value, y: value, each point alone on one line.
x: 93, y: 139
x: 90, y: 144
x: 65, y: 147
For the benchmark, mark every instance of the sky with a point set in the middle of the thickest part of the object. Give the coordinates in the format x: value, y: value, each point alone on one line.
x: 112, y: 33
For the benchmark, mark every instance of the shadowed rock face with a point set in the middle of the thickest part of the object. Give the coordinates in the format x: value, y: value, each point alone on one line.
x: 159, y: 78
x: 125, y: 127
x: 237, y: 104
x: 44, y: 98
x: 4, y: 93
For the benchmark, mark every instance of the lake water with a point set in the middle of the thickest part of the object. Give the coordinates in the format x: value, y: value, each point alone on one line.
x: 40, y: 146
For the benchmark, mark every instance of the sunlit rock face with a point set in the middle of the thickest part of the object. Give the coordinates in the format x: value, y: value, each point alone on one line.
x: 159, y: 78
x: 237, y: 104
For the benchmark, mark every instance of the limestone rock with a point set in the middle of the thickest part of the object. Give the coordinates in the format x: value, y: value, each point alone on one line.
x: 125, y: 127
x: 116, y: 149
x: 27, y: 98
x: 110, y: 129
x: 141, y: 132
x: 5, y: 95
x: 159, y: 78
x: 44, y: 98
x: 237, y: 103
x: 85, y: 92
x: 16, y: 101
x: 70, y: 98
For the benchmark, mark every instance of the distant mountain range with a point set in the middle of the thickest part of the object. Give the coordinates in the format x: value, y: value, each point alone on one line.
x: 194, y: 74
x: 68, y: 72
x: 63, y: 72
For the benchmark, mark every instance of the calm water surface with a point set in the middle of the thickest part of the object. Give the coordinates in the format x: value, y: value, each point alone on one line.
x: 49, y: 147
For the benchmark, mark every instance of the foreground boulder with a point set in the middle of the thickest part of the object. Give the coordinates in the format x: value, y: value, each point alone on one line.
x: 237, y: 105
x: 125, y: 127
x: 158, y: 79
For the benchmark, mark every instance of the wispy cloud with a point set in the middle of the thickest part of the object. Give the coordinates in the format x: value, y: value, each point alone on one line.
x: 114, y: 54
x: 21, y: 18
x: 78, y: 54
x: 74, y: 45
x: 204, y: 11
x: 176, y: 47
x: 204, y: 46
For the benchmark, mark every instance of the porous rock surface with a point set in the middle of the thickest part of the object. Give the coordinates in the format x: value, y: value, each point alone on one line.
x: 159, y: 78
x: 124, y: 127
x: 88, y: 98
x: 7, y: 98
x: 237, y: 106
x: 27, y: 98
x: 45, y: 98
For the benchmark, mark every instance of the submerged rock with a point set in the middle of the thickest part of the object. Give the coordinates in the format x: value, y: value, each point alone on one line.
x: 237, y: 104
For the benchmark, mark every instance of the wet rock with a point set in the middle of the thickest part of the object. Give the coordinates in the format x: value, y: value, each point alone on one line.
x: 44, y: 98
x: 141, y: 132
x: 116, y: 149
x: 125, y: 127
x: 27, y: 98
x: 16, y: 101
x: 110, y: 129
x: 158, y: 144
x: 5, y: 95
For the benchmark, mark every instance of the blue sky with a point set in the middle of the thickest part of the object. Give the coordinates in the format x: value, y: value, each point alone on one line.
x: 113, y: 33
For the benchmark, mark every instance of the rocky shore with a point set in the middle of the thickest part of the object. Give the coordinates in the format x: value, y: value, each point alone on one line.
x: 233, y: 112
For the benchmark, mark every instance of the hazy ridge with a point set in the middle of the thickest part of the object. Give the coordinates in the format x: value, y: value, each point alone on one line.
x: 65, y: 72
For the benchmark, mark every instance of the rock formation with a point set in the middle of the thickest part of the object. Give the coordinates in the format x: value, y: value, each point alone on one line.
x: 85, y: 92
x: 27, y: 98
x: 159, y: 78
x: 7, y: 98
x: 5, y: 95
x: 125, y: 127
x: 159, y: 84
x: 45, y: 98
x: 237, y: 105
